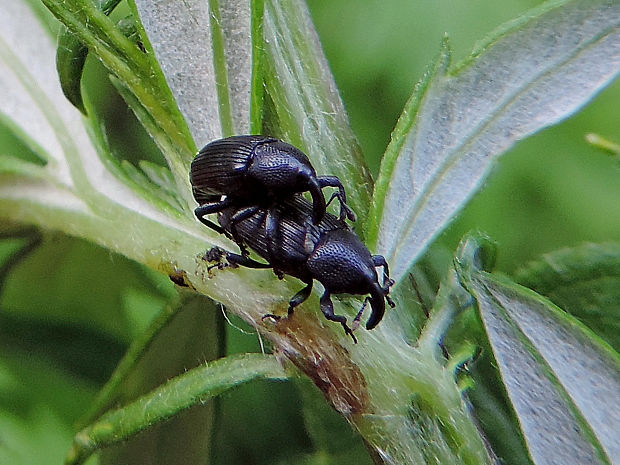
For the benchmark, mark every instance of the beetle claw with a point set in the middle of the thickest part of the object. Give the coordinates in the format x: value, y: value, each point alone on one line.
x: 350, y: 213
x: 214, y: 254
x: 349, y: 332
x: 271, y: 316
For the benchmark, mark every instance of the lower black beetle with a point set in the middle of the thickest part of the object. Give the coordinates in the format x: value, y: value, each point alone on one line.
x: 328, y: 252
x: 258, y: 170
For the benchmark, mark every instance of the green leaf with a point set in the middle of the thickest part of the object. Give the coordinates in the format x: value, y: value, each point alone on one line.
x: 556, y: 372
x: 309, y: 111
x: 181, y: 36
x: 584, y: 281
x: 70, y: 60
x: 195, y: 386
x: 38, y: 402
x: 71, y: 57
x: 533, y: 73
x: 138, y: 70
x: 32, y: 104
x: 179, y: 339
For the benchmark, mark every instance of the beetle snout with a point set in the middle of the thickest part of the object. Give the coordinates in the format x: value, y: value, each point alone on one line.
x: 377, y: 304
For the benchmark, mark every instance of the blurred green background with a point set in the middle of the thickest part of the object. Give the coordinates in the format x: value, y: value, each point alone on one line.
x: 68, y: 311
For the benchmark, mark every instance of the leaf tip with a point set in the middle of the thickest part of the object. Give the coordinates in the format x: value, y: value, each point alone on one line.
x: 476, y: 251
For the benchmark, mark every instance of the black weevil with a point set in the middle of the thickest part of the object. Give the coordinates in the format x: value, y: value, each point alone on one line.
x: 328, y: 251
x: 255, y: 170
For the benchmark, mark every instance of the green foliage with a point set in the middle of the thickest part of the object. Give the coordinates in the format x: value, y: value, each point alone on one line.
x: 585, y: 282
x: 192, y: 71
x: 564, y: 365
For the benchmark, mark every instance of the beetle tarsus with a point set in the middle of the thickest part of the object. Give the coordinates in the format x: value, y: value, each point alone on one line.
x: 327, y: 307
x: 341, y: 195
x: 232, y: 260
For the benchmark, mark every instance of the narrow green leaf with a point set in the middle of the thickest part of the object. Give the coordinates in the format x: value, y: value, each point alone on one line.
x: 217, y: 34
x: 194, y: 387
x: 584, y: 281
x: 71, y: 57
x: 309, y: 110
x: 13, y: 165
x: 110, y: 392
x: 555, y: 371
x: 36, y: 154
x: 534, y: 73
x: 234, y: 48
x: 257, y: 90
x: 158, y: 175
x: 239, y: 27
x: 188, y: 338
x: 604, y: 144
x: 70, y: 60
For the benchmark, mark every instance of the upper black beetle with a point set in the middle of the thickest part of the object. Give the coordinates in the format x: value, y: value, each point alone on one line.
x: 257, y: 170
x: 328, y: 252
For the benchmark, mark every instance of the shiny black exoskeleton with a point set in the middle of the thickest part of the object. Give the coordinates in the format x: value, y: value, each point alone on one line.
x: 257, y: 171
x: 328, y: 251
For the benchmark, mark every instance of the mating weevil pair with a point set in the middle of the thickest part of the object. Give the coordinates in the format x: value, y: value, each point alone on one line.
x: 255, y: 185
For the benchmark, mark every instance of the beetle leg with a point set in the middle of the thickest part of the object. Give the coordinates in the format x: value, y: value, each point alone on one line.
x: 333, y: 181
x: 209, y: 208
x: 327, y: 307
x: 271, y: 223
x: 358, y: 317
x: 379, y: 260
x: 216, y: 254
x: 239, y: 216
x: 296, y: 300
x: 300, y: 297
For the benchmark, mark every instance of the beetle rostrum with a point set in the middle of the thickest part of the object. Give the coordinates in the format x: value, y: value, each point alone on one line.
x: 255, y: 170
x: 327, y: 251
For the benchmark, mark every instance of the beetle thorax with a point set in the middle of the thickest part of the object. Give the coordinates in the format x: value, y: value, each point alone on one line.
x: 342, y: 263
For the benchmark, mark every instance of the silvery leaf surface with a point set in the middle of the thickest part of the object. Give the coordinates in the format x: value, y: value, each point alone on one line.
x: 532, y: 74
x: 210, y: 73
x: 556, y: 372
